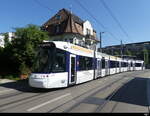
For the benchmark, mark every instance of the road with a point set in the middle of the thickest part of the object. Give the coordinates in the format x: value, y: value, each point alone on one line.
x: 125, y: 92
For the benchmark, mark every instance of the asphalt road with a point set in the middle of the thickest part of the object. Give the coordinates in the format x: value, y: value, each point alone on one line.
x: 125, y: 92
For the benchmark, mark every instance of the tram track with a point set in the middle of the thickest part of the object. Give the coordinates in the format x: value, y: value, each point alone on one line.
x: 83, y: 94
x: 90, y: 92
x: 110, y: 97
x: 100, y: 108
x: 22, y: 101
x: 5, y: 96
x: 2, y: 107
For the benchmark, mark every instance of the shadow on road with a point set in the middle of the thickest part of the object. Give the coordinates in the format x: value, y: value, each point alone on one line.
x: 23, y: 86
x: 133, y: 92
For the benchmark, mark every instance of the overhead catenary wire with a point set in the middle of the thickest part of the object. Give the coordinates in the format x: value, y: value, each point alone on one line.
x: 89, y: 13
x: 96, y: 20
x: 115, y: 19
x: 42, y: 5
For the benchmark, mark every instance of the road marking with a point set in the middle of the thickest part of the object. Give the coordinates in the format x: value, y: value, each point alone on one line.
x: 4, y: 91
x: 43, y: 104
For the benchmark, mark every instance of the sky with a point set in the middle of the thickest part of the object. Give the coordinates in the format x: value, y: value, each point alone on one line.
x: 133, y: 16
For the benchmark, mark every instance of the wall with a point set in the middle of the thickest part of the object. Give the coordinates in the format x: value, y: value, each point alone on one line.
x: 87, y: 25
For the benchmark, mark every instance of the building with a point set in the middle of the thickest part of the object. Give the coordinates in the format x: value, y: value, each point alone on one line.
x: 135, y: 50
x: 2, y: 40
x: 65, y: 26
x: 10, y: 36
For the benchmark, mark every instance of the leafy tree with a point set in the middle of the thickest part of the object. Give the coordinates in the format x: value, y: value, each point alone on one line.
x: 146, y: 56
x: 128, y: 53
x: 1, y: 50
x: 116, y: 53
x: 24, y: 44
x: 6, y: 39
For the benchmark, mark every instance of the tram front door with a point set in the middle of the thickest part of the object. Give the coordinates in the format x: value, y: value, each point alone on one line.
x: 72, y: 75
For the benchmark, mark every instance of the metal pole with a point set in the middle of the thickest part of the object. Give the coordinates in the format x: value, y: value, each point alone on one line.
x: 100, y: 41
x: 121, y: 49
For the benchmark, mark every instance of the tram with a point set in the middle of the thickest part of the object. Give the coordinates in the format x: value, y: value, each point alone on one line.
x: 61, y: 64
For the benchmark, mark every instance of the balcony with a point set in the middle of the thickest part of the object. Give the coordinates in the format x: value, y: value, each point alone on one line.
x: 91, y: 37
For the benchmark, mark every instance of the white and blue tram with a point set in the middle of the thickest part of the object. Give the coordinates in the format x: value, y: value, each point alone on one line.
x: 61, y: 64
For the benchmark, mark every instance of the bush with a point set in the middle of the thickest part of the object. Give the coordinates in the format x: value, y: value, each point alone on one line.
x: 17, y: 57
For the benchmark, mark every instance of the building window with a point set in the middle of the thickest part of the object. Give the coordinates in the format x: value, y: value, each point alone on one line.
x: 58, y: 17
x: 88, y: 31
x: 57, y: 28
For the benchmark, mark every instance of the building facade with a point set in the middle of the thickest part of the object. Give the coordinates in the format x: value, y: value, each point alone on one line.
x: 2, y: 42
x: 140, y: 50
x: 65, y: 26
x: 10, y: 36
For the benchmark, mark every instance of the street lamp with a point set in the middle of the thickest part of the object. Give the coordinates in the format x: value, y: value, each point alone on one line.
x: 101, y: 41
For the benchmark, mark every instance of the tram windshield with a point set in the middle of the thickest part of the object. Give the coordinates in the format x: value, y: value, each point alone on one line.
x: 50, y: 60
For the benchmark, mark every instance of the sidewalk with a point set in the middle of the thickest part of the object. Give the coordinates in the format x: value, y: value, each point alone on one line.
x: 2, y: 81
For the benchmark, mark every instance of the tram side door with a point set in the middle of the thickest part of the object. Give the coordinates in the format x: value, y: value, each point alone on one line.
x: 120, y: 67
x: 107, y: 67
x: 134, y: 66
x: 129, y: 65
x: 98, y: 68
x: 72, y: 70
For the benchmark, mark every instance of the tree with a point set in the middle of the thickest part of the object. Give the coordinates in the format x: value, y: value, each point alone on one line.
x: 24, y: 44
x: 116, y: 53
x: 128, y: 53
x: 146, y: 56
x: 6, y: 39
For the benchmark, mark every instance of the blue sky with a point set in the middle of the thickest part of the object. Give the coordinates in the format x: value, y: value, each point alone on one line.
x: 133, y: 15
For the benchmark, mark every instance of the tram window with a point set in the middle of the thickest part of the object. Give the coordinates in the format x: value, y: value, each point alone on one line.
x: 126, y: 64
x: 122, y: 64
x: 85, y: 63
x: 50, y: 60
x: 131, y: 64
x: 137, y: 64
x: 103, y: 63
x: 117, y: 64
x: 112, y: 64
x: 81, y: 63
x: 89, y: 63
x: 60, y: 62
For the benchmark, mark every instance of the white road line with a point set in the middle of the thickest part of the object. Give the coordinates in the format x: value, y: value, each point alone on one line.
x: 43, y: 104
x: 4, y: 91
